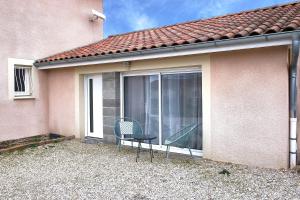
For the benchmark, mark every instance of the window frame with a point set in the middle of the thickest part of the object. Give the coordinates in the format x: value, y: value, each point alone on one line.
x: 27, y: 80
x: 29, y: 90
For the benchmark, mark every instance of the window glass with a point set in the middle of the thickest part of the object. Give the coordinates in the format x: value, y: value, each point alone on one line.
x: 22, y: 80
x: 182, y: 105
x: 141, y: 102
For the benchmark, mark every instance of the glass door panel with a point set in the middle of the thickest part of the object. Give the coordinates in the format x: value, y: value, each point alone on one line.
x: 141, y: 102
x: 182, y: 105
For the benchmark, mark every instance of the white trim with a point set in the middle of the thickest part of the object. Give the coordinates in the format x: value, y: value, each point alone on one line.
x: 175, y: 53
x: 86, y: 109
x: 17, y: 61
x: 23, y: 97
x: 12, y: 62
x: 293, y: 142
x: 159, y: 72
x: 159, y: 111
x: 121, y: 95
x: 190, y: 69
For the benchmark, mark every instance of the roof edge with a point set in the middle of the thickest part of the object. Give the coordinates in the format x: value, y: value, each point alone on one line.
x: 203, y: 45
x: 209, y: 18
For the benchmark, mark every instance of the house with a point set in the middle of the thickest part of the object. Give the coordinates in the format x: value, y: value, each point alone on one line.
x: 30, y: 30
x: 234, y: 75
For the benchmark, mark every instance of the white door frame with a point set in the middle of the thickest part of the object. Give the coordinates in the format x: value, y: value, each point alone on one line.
x: 97, y: 105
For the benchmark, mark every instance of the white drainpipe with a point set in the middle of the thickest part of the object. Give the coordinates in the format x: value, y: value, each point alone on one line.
x: 293, y: 142
x: 293, y: 100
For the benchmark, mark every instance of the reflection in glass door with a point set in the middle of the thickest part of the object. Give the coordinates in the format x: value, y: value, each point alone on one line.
x: 180, y: 102
x: 141, y: 102
x: 181, y: 105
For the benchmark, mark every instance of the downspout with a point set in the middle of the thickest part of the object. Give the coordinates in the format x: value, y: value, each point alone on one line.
x: 293, y: 100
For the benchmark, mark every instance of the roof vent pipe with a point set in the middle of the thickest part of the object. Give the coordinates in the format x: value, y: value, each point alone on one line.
x: 293, y: 100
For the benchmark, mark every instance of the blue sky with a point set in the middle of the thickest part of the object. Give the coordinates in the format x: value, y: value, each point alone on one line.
x: 130, y: 15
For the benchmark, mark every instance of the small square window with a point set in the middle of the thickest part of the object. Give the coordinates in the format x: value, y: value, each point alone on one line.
x: 22, y: 80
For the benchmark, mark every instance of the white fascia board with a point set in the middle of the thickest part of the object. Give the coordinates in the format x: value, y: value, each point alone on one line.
x: 175, y: 53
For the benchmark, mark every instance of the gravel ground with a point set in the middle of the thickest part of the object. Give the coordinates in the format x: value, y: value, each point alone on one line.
x: 73, y: 170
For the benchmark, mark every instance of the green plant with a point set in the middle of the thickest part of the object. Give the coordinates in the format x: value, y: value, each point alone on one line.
x: 33, y: 145
x: 225, y: 172
x: 36, y: 138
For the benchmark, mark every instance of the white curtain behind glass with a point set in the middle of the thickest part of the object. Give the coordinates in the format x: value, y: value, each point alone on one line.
x: 182, y: 104
x: 141, y: 102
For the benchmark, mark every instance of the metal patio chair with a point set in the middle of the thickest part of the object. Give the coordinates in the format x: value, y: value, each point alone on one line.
x: 125, y: 129
x: 181, y: 139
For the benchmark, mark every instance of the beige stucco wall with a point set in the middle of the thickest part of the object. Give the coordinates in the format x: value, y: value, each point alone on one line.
x: 61, y: 89
x: 249, y: 91
x: 21, y: 118
x: 33, y: 29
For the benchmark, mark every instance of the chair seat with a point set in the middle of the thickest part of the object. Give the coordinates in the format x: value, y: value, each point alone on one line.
x: 181, y: 139
x: 128, y: 139
x: 127, y: 136
x: 145, y: 137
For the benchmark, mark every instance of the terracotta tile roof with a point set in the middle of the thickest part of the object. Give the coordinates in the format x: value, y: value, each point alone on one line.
x: 255, y: 22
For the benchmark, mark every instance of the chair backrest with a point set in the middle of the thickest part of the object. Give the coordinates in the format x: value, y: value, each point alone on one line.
x: 126, y: 127
x: 182, y: 137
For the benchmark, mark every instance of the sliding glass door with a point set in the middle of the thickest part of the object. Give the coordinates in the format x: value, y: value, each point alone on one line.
x: 164, y: 103
x: 181, y: 105
x: 141, y: 102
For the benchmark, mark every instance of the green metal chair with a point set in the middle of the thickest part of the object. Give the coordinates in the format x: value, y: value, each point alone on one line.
x: 125, y: 129
x: 181, y: 139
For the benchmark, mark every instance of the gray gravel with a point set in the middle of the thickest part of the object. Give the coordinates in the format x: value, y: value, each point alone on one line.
x: 73, y: 170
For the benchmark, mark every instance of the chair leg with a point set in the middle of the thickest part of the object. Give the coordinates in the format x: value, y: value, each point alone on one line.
x: 191, y: 152
x: 151, y: 150
x: 167, y: 151
x: 119, y: 145
x: 131, y: 144
x: 138, y: 151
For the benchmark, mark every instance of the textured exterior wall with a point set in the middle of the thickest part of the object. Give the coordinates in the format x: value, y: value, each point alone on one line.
x: 33, y: 29
x: 111, y: 104
x: 61, y: 89
x: 21, y: 118
x: 250, y: 120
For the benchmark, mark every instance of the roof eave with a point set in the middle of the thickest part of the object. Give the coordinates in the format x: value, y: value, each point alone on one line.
x: 257, y: 41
